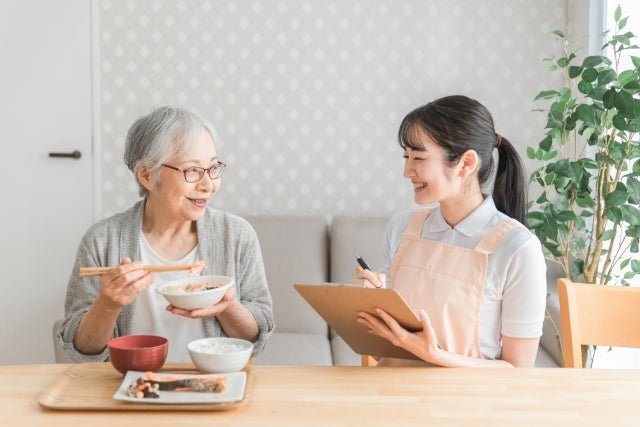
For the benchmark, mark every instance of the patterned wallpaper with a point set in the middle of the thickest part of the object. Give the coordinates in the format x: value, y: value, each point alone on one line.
x: 307, y: 95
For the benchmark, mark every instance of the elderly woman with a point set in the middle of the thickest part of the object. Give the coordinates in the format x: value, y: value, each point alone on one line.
x: 173, y: 157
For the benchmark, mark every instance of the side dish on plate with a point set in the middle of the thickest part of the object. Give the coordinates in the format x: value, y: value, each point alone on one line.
x: 150, y: 385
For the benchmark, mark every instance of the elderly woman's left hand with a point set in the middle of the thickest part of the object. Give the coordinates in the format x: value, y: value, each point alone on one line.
x: 423, y: 344
x: 214, y: 310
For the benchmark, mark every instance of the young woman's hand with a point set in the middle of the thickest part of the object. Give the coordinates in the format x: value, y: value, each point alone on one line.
x: 369, y: 279
x: 423, y: 344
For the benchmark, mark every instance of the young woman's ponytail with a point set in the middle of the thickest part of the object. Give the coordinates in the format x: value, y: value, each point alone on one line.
x: 510, y: 185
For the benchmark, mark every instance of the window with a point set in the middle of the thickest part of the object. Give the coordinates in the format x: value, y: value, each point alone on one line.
x: 618, y: 357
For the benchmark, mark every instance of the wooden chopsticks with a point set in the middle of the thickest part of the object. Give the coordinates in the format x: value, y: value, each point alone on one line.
x: 99, y: 271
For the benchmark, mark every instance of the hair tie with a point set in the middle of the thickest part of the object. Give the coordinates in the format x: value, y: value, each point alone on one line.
x: 498, y: 140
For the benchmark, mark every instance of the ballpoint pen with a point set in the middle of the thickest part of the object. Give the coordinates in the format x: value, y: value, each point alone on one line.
x: 362, y: 263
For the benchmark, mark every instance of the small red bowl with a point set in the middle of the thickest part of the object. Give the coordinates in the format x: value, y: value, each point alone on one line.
x: 138, y: 352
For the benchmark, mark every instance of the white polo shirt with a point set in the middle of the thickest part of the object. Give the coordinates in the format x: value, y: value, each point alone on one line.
x: 515, y: 291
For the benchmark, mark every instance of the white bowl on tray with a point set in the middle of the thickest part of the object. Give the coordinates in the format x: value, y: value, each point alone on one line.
x: 220, y: 354
x: 176, y: 293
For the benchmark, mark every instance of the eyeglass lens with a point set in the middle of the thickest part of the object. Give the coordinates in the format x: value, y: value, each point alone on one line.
x: 195, y: 174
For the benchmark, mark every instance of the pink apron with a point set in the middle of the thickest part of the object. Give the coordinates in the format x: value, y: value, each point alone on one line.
x: 445, y: 280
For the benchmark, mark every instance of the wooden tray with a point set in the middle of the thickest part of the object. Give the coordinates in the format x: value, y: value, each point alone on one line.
x: 91, y: 386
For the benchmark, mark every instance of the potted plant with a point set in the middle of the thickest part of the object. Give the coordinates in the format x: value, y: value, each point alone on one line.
x: 587, y: 215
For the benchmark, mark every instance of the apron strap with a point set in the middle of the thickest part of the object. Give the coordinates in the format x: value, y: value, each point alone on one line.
x: 490, y: 242
x: 416, y: 223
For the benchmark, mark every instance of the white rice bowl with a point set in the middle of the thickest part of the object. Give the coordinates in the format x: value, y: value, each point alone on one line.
x: 221, y: 354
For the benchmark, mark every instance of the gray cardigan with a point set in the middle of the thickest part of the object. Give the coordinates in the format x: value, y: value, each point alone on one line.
x: 227, y: 243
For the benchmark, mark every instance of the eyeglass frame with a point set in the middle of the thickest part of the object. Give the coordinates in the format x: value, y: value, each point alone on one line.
x: 219, y: 167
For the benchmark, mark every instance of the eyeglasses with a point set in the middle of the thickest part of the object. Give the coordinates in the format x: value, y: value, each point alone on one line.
x: 195, y: 174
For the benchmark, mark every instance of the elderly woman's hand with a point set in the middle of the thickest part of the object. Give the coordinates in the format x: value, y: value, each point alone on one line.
x: 214, y: 310
x: 122, y: 285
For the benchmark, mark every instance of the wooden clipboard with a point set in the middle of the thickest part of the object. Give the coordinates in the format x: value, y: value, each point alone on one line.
x: 339, y: 304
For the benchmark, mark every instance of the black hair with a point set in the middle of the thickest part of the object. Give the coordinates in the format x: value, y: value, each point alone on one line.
x: 457, y: 124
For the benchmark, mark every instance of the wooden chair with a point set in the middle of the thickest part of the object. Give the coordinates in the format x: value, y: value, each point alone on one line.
x: 597, y: 315
x: 368, y: 361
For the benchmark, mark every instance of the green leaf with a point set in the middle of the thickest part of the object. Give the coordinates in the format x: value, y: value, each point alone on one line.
x: 542, y: 198
x: 585, y: 87
x: 589, y: 75
x: 614, y: 214
x: 635, y: 266
x: 609, y: 99
x: 606, y: 76
x: 633, y: 85
x: 635, y: 60
x: 585, y: 113
x: 619, y: 122
x: 588, y: 163
x: 580, y: 224
x: 576, y: 268
x: 550, y: 178
x: 546, y: 94
x: 565, y: 216
x: 608, y: 235
x: 622, y: 23
x: 531, y: 153
x: 627, y: 76
x: 617, y: 13
x: 585, y: 202
x: 617, y: 198
x: 633, y: 185
x: 546, y: 143
x: 592, y: 61
x: 625, y: 104
x: 558, y: 33
x: 574, y: 71
x: 631, y: 214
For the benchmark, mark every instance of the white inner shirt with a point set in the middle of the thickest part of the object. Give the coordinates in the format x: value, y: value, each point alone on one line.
x: 150, y: 315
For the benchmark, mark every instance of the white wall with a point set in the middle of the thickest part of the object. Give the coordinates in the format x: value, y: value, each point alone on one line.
x: 307, y: 95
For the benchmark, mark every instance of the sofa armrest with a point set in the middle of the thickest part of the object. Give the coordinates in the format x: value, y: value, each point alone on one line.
x: 551, y: 332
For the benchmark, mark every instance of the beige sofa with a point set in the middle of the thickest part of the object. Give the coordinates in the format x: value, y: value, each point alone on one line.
x: 314, y: 249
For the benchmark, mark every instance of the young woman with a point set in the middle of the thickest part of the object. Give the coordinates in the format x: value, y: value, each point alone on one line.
x: 466, y: 264
x: 173, y: 156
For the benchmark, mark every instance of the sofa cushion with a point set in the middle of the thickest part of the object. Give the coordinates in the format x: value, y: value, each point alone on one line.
x: 342, y: 354
x: 351, y: 236
x: 289, y: 348
x: 294, y: 250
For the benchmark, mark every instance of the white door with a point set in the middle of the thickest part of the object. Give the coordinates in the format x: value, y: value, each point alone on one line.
x: 45, y: 107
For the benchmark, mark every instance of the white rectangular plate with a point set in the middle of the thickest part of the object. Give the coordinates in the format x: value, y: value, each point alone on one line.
x: 236, y: 382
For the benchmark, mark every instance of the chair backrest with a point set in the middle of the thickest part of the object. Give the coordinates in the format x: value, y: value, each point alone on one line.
x: 597, y: 315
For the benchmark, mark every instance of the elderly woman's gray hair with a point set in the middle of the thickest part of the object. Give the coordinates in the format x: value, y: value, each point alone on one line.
x: 161, y: 135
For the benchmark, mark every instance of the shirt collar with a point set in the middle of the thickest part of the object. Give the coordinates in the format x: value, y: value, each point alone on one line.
x: 471, y: 224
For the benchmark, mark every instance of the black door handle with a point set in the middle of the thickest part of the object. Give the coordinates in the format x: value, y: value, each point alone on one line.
x: 74, y: 154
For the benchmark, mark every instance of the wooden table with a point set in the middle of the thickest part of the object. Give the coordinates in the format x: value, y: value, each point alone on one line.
x: 328, y: 396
